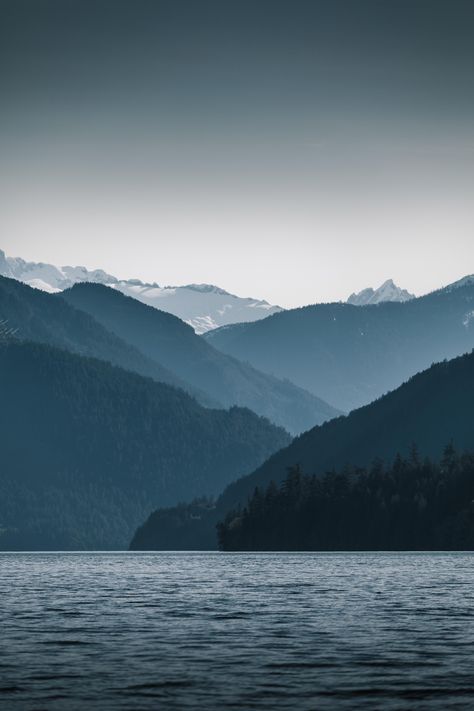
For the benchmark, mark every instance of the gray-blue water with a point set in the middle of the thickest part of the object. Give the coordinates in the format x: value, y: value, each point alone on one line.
x: 236, y: 631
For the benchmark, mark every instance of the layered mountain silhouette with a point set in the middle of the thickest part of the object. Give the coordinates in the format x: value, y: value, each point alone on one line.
x: 109, y: 407
x: 89, y: 449
x: 94, y: 320
x: 37, y: 316
x: 350, y: 355
x: 430, y: 410
x: 203, y: 306
x: 167, y: 340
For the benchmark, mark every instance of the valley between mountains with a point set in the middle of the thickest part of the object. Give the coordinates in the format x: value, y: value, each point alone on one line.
x: 122, y: 425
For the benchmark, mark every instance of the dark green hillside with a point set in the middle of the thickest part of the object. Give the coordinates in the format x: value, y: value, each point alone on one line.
x: 43, y: 318
x: 169, y: 341
x: 432, y: 408
x: 350, y: 355
x: 88, y: 450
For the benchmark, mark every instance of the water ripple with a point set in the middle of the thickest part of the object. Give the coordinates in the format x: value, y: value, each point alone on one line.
x: 189, y: 631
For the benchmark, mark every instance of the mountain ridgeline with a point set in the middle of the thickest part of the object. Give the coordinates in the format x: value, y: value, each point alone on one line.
x: 89, y: 449
x: 108, y: 415
x: 95, y: 320
x: 431, y: 409
x: 350, y: 355
x: 165, y: 339
x: 42, y: 318
x: 203, y: 306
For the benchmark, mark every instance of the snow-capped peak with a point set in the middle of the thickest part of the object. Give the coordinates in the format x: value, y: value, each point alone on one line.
x: 202, y: 306
x: 388, y: 291
x: 207, y: 289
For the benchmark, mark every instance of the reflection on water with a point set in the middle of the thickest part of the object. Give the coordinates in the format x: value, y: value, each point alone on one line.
x: 236, y: 631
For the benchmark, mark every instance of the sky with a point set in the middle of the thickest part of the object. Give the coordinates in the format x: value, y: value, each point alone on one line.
x: 294, y: 151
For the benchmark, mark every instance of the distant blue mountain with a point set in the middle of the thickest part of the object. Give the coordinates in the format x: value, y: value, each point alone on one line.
x: 165, y: 339
x: 431, y: 410
x: 349, y: 355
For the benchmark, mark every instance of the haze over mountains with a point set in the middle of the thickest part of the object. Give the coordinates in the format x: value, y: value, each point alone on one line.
x: 43, y: 318
x: 93, y: 320
x: 112, y: 408
x: 431, y: 410
x: 351, y: 355
x: 202, y: 306
x: 167, y: 340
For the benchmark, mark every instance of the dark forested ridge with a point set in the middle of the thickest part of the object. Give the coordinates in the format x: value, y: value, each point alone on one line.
x: 189, y: 526
x: 88, y: 450
x: 167, y: 340
x: 350, y: 355
x: 44, y: 318
x: 411, y: 505
x: 432, y: 408
x: 95, y: 320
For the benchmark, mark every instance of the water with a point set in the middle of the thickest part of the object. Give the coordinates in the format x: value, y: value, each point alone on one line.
x: 236, y: 631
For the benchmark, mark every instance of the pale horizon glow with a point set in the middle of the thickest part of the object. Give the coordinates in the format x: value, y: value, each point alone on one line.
x: 293, y: 154
x: 257, y: 293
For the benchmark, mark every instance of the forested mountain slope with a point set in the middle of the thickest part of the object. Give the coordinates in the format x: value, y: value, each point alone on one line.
x: 40, y: 317
x: 88, y: 450
x: 167, y: 340
x: 350, y: 355
x: 432, y: 409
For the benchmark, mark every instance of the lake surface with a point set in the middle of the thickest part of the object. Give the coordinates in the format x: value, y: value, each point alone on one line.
x: 236, y: 631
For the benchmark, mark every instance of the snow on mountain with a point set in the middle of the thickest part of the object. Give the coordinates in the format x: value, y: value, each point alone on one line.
x: 202, y: 306
x: 48, y: 277
x: 388, y: 291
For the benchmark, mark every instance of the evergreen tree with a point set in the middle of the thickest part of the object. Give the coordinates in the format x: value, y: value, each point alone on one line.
x: 412, y: 505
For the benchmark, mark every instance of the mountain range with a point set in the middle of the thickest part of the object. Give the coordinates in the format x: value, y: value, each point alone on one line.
x: 350, y: 355
x: 167, y: 340
x: 432, y: 409
x: 112, y: 408
x: 202, y: 306
x: 40, y: 317
x: 89, y: 449
x: 94, y: 320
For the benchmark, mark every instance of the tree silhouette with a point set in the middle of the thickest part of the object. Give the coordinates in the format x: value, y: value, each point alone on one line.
x: 412, y: 505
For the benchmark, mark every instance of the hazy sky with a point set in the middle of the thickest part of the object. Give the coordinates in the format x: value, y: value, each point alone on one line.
x: 294, y: 151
